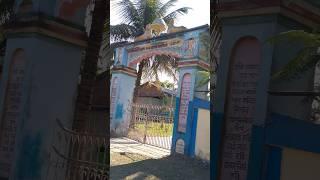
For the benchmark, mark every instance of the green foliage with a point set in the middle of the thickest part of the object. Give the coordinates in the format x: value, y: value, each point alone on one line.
x: 157, y: 64
x: 204, y: 78
x: 6, y: 11
x: 166, y: 84
x: 136, y: 14
x: 156, y: 129
x: 168, y: 101
x: 205, y: 46
x: 305, y: 59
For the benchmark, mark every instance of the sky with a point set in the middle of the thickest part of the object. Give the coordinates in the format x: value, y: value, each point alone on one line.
x: 197, y: 16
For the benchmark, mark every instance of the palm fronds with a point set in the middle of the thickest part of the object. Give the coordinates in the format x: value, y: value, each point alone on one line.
x: 166, y: 6
x: 305, y: 59
x: 128, y: 11
x: 176, y: 13
x: 136, y: 14
x: 158, y: 64
x: 6, y: 12
x: 300, y: 36
x: 215, y: 42
x: 122, y: 31
x: 204, y: 78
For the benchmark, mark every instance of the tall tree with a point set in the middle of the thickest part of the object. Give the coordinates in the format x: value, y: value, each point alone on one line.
x: 6, y: 12
x: 214, y: 46
x: 89, y: 68
x: 215, y: 42
x: 136, y: 14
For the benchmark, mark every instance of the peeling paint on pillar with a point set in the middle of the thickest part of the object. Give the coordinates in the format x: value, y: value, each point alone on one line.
x: 119, y: 111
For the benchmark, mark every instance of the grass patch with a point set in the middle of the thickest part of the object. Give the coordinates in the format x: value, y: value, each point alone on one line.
x: 156, y: 129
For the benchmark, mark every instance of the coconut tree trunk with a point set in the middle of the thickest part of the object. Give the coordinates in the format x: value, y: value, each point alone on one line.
x: 88, y: 74
x: 88, y: 80
x: 215, y: 42
x: 138, y: 80
x: 135, y: 92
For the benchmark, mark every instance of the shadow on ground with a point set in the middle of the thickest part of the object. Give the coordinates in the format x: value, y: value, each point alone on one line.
x: 168, y: 168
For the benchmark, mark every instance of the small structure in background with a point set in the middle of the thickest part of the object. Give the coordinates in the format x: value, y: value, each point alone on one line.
x: 153, y: 93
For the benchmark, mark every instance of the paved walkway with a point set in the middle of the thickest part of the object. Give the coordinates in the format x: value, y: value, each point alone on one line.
x: 131, y: 160
x: 164, y: 142
x: 126, y: 145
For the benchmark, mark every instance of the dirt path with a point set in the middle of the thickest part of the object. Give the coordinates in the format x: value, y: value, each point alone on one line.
x: 137, y: 166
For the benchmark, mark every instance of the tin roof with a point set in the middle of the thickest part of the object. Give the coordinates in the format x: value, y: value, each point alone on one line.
x: 153, y: 89
x: 150, y: 89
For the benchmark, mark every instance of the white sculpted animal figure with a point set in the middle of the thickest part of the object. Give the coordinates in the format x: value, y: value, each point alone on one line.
x: 173, y: 29
x: 146, y: 35
x: 157, y: 27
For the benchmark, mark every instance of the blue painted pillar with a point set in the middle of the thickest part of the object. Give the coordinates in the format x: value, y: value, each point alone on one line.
x: 273, y: 161
x: 182, y: 140
x: 39, y: 83
x: 122, y: 88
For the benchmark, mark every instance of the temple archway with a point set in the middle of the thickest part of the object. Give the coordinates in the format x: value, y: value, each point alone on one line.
x: 191, y: 53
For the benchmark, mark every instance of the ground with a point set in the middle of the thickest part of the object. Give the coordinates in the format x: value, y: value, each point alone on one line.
x: 131, y: 160
x: 156, y: 129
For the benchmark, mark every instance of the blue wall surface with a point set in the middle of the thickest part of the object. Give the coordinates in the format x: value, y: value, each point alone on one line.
x: 49, y: 93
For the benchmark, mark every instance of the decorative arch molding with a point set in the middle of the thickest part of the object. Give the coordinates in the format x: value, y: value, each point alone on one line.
x: 242, y: 42
x: 151, y: 54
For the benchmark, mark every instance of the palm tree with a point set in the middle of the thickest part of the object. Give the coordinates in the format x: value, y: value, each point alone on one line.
x: 89, y: 68
x: 99, y: 25
x: 6, y: 12
x: 214, y: 46
x: 160, y: 63
x: 136, y: 15
x: 305, y: 59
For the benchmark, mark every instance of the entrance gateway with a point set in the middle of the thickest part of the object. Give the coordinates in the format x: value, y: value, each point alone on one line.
x: 189, y: 47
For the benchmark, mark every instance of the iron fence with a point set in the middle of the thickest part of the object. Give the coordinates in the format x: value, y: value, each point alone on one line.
x: 152, y: 124
x: 78, y: 156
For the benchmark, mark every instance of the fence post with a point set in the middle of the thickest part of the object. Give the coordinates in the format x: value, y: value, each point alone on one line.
x: 146, y: 125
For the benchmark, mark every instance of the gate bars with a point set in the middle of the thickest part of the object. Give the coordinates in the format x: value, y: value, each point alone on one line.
x: 152, y: 124
x: 78, y: 156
